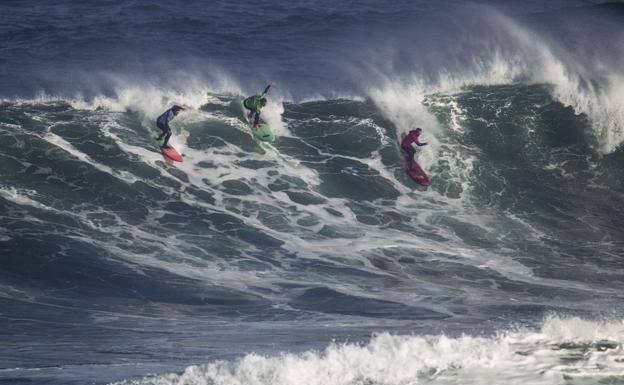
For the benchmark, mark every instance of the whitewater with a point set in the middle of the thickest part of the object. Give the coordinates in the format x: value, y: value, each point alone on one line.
x: 314, y: 260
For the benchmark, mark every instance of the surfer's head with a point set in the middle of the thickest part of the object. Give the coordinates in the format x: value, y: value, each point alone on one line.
x: 418, y: 130
x: 263, y: 101
x: 176, y: 109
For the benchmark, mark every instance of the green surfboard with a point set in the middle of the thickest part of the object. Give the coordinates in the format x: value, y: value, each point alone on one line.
x: 264, y: 133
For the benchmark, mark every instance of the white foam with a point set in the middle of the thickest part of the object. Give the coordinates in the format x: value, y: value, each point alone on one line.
x: 511, y: 357
x: 511, y: 53
x: 272, y: 114
x: 23, y: 197
x: 68, y: 147
x: 400, y: 102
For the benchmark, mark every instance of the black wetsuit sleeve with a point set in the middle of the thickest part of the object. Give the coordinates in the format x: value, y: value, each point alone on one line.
x: 421, y: 144
x: 267, y: 89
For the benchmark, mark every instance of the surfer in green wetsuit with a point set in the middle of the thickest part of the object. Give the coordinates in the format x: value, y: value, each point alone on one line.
x: 254, y: 105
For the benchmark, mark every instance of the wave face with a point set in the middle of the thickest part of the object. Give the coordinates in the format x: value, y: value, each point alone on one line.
x: 318, y: 254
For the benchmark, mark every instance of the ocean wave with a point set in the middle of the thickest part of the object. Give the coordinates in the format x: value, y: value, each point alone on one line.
x: 563, y: 349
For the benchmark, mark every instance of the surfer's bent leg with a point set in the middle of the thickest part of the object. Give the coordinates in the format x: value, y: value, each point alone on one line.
x: 256, y: 117
x: 166, y: 132
x: 250, y: 113
x: 410, y: 153
x: 163, y: 129
x: 167, y: 137
x: 249, y: 109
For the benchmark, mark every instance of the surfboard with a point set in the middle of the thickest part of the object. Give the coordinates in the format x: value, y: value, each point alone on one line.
x: 170, y: 152
x: 415, y: 172
x: 264, y: 133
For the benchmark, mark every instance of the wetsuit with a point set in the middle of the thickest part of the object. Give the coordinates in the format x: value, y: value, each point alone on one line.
x: 253, y: 105
x: 406, y: 145
x: 163, y: 123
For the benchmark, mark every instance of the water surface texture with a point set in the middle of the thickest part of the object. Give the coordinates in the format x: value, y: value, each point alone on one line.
x: 314, y: 260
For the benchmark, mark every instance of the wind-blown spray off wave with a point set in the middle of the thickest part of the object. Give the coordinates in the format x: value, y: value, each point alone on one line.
x: 493, y: 49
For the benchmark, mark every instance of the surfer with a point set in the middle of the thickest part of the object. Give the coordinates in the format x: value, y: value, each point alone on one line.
x: 255, y: 103
x: 409, y: 144
x: 163, y: 123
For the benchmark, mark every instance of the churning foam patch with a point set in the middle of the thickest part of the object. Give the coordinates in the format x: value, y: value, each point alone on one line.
x: 562, y: 349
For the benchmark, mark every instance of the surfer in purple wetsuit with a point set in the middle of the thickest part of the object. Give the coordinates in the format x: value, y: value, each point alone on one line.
x: 409, y: 143
x: 163, y: 123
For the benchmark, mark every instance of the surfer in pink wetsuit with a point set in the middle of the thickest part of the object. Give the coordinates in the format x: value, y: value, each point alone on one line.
x: 410, y: 143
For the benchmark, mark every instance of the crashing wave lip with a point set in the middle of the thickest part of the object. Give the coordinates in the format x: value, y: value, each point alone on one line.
x: 561, y: 349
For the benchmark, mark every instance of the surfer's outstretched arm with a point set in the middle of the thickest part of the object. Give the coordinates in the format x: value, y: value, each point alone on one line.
x: 267, y: 87
x: 417, y: 144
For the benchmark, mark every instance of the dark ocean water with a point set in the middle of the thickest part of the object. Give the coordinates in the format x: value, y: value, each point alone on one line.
x: 314, y: 260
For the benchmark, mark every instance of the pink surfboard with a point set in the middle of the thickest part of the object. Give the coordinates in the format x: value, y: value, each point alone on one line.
x: 415, y: 172
x: 171, y: 153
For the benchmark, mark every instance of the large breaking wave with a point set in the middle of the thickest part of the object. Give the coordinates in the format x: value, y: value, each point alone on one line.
x: 324, y: 229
